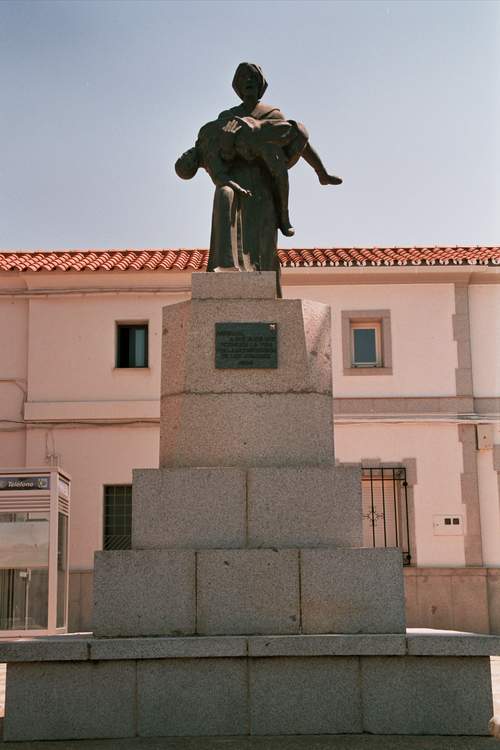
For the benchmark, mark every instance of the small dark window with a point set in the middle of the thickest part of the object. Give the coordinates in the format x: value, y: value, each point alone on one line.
x: 456, y: 521
x: 447, y: 521
x: 132, y: 345
x: 117, y: 516
x: 366, y: 349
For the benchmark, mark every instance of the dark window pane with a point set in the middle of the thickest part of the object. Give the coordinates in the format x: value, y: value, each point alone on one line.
x: 117, y: 517
x: 122, y: 354
x: 365, y: 349
x: 139, y: 347
x: 132, y: 346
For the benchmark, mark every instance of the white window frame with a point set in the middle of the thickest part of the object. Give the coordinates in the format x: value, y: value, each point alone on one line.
x: 376, y: 326
x: 380, y: 320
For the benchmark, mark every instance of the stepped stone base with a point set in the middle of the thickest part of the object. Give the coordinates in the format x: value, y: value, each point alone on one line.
x: 299, y: 506
x: 144, y: 592
x: 248, y: 591
x: 246, y: 547
x: 216, y: 507
x: 245, y: 417
x: 246, y: 429
x: 261, y: 685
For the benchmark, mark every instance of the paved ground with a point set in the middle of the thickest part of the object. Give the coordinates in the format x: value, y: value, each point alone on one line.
x: 2, y: 688
x: 318, y: 742
x: 337, y: 742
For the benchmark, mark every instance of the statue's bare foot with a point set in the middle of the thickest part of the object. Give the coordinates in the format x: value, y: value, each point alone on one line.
x: 329, y: 179
x: 286, y: 228
x: 285, y: 224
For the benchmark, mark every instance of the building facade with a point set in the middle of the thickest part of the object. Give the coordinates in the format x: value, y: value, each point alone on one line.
x: 416, y: 373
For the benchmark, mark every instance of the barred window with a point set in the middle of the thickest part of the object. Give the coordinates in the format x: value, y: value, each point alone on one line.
x: 117, y: 516
x: 385, y: 509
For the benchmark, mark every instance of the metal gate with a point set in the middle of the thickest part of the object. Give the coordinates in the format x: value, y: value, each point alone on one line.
x: 385, y: 509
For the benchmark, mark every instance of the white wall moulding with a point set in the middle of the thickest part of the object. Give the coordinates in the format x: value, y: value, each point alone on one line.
x: 425, y: 408
x: 105, y: 411
x: 405, y: 406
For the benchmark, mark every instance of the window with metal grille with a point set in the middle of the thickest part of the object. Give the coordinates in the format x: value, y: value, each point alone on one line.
x: 385, y: 509
x: 131, y: 345
x: 117, y: 516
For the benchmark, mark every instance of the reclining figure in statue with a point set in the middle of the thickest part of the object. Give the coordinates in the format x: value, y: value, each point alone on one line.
x: 267, y: 137
x: 221, y: 141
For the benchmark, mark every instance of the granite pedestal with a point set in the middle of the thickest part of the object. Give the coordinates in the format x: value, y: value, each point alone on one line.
x: 247, y: 604
x: 69, y: 687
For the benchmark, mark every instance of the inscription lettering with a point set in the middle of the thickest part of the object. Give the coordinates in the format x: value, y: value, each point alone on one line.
x: 246, y: 345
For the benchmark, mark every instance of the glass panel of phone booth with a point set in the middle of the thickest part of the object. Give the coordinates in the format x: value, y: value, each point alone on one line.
x: 24, y: 573
x: 62, y: 568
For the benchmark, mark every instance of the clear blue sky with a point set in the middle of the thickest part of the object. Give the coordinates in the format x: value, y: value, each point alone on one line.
x: 99, y: 98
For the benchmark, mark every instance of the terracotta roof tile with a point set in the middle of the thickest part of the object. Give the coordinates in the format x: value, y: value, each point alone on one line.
x: 196, y: 259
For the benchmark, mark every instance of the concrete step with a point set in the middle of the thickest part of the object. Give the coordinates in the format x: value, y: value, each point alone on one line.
x: 84, y: 687
x: 248, y: 591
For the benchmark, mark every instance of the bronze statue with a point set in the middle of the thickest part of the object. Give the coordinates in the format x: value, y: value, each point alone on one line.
x: 247, y: 152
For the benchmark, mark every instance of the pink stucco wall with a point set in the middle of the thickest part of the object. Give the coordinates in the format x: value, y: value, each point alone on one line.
x: 57, y: 336
x: 423, y: 350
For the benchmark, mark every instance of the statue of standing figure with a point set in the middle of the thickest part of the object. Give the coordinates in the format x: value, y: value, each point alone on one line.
x: 247, y: 152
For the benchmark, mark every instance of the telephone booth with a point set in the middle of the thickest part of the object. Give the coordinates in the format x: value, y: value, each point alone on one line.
x: 34, y: 538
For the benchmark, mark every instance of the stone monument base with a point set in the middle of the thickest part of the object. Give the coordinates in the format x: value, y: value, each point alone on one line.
x: 76, y: 687
x: 247, y: 605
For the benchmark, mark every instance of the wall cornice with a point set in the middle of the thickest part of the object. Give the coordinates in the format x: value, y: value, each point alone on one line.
x: 402, y: 409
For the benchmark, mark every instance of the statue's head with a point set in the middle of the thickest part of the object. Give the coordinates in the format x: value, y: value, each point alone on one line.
x: 187, y: 165
x: 249, y: 81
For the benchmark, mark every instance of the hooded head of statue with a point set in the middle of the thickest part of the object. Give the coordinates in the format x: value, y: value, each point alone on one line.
x: 249, y: 81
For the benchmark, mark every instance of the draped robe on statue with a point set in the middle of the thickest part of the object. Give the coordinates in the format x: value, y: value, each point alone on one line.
x: 245, y: 229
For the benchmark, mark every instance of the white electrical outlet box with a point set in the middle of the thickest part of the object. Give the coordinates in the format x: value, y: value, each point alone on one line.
x: 452, y: 525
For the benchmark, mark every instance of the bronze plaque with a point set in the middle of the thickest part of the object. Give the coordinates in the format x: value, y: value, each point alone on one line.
x: 246, y: 346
